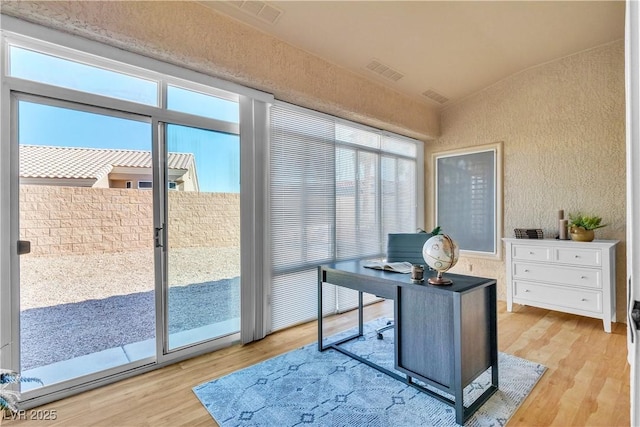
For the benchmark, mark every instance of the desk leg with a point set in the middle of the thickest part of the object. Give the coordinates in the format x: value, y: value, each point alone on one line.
x: 493, y: 315
x: 322, y: 276
x: 458, y: 392
x: 360, y: 314
x: 320, y: 281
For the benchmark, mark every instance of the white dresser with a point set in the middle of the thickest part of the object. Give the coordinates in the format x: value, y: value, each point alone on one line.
x: 563, y: 275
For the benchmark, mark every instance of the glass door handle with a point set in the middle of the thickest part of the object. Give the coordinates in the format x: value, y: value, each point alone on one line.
x: 24, y: 247
x: 635, y: 314
x: 159, y: 237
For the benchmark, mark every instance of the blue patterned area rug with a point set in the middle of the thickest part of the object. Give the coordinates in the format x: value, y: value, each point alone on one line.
x: 307, y: 387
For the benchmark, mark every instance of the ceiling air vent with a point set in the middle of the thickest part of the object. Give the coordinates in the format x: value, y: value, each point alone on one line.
x: 435, y: 96
x: 384, y: 70
x: 259, y: 9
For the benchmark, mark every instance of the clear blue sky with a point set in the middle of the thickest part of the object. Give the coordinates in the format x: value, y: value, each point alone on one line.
x: 217, y: 155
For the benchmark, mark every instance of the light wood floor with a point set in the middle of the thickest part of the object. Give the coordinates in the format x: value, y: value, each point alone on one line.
x: 586, y: 384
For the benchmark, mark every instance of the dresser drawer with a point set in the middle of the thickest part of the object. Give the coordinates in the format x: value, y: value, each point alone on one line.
x: 590, y: 257
x: 584, y: 277
x: 558, y: 296
x: 531, y: 253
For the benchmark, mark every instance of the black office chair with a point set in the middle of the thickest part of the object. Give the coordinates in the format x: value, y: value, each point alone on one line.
x: 404, y: 247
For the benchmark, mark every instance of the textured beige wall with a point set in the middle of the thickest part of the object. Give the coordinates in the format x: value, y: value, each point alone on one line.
x: 562, y: 125
x: 194, y: 36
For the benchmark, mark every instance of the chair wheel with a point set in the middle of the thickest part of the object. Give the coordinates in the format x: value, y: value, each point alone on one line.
x: 379, y: 336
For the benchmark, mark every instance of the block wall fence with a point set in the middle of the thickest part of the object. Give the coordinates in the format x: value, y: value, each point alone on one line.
x: 80, y: 220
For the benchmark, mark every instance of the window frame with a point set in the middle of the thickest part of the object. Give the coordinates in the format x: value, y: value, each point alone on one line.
x: 496, y: 148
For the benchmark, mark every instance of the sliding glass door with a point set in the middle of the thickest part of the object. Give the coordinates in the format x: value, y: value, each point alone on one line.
x: 87, y: 234
x: 121, y: 193
x: 203, y: 235
x: 125, y: 205
x: 86, y: 270
x: 88, y: 281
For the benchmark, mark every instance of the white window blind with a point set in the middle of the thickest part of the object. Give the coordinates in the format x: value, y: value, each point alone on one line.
x: 399, y: 195
x: 336, y: 190
x: 357, y: 195
x: 302, y: 190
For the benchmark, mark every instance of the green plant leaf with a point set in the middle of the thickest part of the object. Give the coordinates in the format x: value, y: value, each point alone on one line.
x: 436, y: 231
x: 588, y: 222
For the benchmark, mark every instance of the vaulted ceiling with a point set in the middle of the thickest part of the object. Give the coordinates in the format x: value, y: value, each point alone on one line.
x: 435, y: 51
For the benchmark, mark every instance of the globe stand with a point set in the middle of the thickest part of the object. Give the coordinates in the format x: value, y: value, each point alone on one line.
x: 438, y: 280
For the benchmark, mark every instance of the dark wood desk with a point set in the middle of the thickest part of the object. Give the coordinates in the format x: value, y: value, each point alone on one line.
x: 445, y: 336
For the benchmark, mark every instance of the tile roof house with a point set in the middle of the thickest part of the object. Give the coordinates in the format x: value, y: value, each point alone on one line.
x: 102, y: 168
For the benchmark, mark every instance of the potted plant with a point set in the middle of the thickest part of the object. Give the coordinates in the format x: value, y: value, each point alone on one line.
x: 10, y: 398
x: 581, y: 226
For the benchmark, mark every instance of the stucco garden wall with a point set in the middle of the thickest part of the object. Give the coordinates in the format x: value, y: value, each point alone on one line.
x: 204, y: 220
x: 79, y: 220
x: 562, y: 125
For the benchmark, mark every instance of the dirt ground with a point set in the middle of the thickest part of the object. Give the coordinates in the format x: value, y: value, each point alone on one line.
x: 49, y: 281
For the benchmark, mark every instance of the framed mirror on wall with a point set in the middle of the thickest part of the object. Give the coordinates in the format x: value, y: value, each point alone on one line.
x: 467, y: 192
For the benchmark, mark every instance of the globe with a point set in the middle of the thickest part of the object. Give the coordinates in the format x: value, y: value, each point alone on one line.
x: 440, y: 253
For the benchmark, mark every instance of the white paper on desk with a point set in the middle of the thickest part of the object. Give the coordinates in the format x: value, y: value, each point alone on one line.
x: 397, y: 267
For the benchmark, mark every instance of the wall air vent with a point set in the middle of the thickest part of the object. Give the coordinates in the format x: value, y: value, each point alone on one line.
x: 385, y: 71
x: 258, y: 9
x: 435, y: 96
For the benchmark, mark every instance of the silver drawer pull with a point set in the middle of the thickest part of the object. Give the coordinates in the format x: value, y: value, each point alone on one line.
x: 526, y: 290
x: 531, y: 253
x: 583, y: 277
x: 576, y: 256
x: 526, y: 271
x: 584, y: 299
